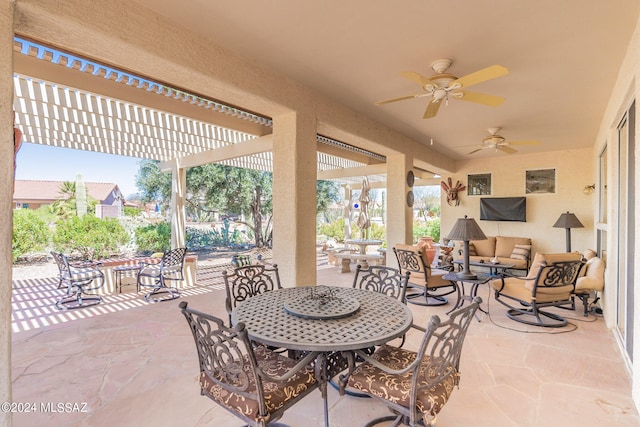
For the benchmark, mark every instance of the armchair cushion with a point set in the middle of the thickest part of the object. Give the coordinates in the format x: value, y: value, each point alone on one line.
x: 593, y: 278
x: 397, y: 388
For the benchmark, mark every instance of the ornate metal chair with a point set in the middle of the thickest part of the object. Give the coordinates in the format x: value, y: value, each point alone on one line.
x: 250, y: 381
x: 81, y: 279
x: 549, y: 283
x: 415, y: 385
x: 414, y: 260
x: 170, y: 268
x: 247, y: 281
x: 381, y: 279
x: 385, y: 280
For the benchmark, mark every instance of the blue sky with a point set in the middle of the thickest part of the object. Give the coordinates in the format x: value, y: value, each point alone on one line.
x: 43, y: 162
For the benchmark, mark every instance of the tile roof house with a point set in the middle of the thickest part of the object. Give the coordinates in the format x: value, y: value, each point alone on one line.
x: 29, y: 194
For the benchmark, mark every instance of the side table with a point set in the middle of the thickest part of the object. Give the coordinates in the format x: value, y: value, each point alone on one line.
x: 123, y: 271
x: 462, y: 296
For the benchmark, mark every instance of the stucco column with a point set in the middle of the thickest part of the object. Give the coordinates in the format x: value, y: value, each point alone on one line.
x: 399, y: 214
x: 294, y: 198
x: 6, y: 196
x: 178, y: 215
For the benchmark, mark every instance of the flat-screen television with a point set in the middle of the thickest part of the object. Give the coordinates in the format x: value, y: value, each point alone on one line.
x: 503, y: 209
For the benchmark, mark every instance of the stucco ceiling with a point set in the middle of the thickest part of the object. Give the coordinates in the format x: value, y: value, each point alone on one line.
x: 563, y: 58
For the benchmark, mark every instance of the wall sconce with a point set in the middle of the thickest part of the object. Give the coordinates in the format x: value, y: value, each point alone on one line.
x: 589, y: 189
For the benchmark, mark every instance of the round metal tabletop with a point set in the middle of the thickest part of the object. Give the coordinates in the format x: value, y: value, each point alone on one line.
x: 379, y: 319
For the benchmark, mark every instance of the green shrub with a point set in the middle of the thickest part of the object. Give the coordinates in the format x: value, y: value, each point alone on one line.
x: 30, y: 233
x: 90, y: 237
x: 131, y: 211
x: 333, y: 230
x: 430, y: 228
x: 154, y: 238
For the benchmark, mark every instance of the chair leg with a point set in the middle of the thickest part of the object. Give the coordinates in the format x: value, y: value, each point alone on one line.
x: 542, y: 318
x: 160, y: 289
x: 397, y: 419
x: 423, y: 298
x: 75, y: 299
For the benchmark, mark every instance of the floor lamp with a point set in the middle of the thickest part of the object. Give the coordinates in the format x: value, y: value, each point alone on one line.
x: 466, y: 229
x: 568, y: 221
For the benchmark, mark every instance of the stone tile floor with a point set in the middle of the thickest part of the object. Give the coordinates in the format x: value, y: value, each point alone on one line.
x: 134, y: 364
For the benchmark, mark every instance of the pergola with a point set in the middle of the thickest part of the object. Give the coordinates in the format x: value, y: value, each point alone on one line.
x: 70, y: 102
x: 66, y: 101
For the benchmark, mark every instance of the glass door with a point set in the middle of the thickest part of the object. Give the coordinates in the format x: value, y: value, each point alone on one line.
x: 625, y: 227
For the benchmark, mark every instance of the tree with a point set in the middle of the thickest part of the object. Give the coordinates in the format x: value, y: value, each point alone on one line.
x: 235, y: 191
x: 67, y: 206
x: 155, y: 184
x: 232, y: 191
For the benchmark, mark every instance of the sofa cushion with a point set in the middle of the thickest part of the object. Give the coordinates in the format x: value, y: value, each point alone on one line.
x: 521, y: 252
x: 504, y: 245
x: 485, y: 247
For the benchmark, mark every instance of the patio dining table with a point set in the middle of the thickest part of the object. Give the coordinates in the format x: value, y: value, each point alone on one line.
x: 326, y: 320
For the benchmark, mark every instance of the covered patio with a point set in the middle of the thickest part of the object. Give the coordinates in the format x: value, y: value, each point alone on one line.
x: 136, y: 364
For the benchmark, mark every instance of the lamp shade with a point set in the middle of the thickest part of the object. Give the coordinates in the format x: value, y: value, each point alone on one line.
x: 568, y: 220
x: 466, y: 229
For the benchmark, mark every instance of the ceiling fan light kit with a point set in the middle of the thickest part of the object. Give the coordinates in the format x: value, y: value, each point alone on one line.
x: 443, y: 85
x: 499, y: 143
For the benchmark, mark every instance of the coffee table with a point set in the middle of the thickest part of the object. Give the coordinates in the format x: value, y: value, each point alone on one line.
x: 494, y: 267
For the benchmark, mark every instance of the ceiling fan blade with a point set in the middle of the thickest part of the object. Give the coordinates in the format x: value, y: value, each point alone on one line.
x: 481, y: 98
x: 481, y: 76
x: 506, y: 149
x: 432, y: 110
x: 524, y: 142
x: 474, y: 151
x: 401, y: 98
x: 418, y: 78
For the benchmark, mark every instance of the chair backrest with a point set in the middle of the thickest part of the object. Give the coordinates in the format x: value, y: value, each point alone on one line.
x: 441, y: 347
x: 172, y: 261
x: 225, y: 355
x: 554, y: 273
x: 385, y: 280
x: 62, y: 263
x: 248, y: 281
x: 414, y: 260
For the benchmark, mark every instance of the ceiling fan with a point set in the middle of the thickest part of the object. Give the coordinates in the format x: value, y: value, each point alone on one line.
x: 498, y: 142
x: 443, y: 85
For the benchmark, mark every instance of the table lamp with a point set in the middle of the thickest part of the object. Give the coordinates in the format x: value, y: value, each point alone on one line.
x: 568, y: 221
x: 466, y: 229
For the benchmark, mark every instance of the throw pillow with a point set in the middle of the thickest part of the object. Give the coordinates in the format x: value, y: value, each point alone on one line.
x: 521, y: 252
x: 472, y: 250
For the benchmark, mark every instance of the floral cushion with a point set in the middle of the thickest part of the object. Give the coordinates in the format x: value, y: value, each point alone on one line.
x: 397, y: 388
x: 276, y: 395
